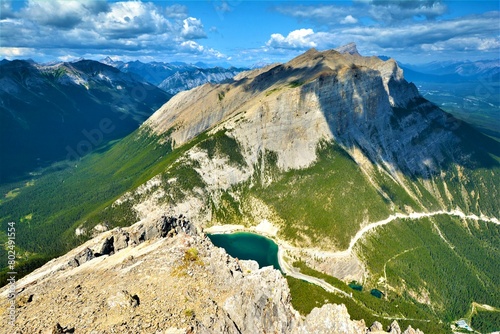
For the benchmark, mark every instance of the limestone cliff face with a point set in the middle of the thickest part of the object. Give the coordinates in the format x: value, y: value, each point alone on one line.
x: 362, y: 102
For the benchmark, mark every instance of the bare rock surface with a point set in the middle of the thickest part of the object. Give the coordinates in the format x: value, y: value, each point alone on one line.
x: 331, y: 319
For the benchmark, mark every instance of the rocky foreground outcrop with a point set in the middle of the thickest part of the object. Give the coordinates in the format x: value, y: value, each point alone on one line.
x: 163, y: 277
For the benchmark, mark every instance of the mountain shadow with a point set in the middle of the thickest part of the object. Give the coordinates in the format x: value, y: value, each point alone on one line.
x: 64, y: 111
x: 395, y: 126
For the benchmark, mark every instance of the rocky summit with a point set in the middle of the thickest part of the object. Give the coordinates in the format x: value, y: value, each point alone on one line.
x: 165, y: 277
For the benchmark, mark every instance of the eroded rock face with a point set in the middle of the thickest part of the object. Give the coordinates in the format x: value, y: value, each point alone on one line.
x: 173, y: 280
x: 119, y: 239
x: 360, y: 102
x: 331, y: 319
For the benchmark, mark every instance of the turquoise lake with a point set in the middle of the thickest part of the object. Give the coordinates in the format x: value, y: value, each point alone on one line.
x: 248, y: 246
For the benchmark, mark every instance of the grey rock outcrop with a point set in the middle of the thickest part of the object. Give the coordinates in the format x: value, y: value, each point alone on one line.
x: 120, y: 239
x: 410, y: 330
x: 86, y: 255
x: 376, y: 327
x: 394, y: 328
x: 270, y: 295
x: 348, y: 49
x: 331, y: 319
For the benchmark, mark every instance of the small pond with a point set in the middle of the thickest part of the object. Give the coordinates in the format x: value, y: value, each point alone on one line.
x: 248, y: 246
x: 376, y: 293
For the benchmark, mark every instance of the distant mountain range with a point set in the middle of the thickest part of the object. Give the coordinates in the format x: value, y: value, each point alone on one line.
x: 65, y: 110
x: 185, y: 80
x: 470, y: 90
x: 460, y: 68
x: 177, y: 76
x: 452, y: 72
x: 47, y: 112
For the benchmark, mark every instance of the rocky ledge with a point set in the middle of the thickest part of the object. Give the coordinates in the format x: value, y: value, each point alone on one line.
x: 164, y: 277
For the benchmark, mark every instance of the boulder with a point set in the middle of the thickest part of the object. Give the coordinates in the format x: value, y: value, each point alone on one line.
x: 86, y: 255
x: 410, y: 330
x: 121, y: 240
x: 106, y: 248
x: 376, y: 327
x: 394, y: 328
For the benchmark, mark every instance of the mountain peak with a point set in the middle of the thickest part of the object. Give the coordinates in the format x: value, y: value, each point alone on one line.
x: 311, y: 51
x: 348, y: 49
x: 108, y: 61
x: 313, y: 63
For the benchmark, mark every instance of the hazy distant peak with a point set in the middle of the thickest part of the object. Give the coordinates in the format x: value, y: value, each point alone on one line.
x: 108, y: 60
x: 348, y: 49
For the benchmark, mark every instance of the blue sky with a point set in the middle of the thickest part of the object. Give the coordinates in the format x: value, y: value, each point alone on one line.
x: 244, y: 33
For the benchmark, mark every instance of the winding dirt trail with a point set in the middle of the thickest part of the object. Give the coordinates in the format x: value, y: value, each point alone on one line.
x: 415, y: 215
x: 291, y: 271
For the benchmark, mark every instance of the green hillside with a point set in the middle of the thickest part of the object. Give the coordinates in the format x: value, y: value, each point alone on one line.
x: 443, y: 262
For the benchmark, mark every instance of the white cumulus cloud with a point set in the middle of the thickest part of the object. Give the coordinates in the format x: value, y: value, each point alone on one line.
x: 320, y: 13
x: 62, y: 14
x: 464, y: 44
x: 129, y: 20
x: 192, y: 28
x: 14, y: 52
x: 349, y: 19
x: 303, y: 39
x: 414, y: 35
x: 66, y: 27
x: 382, y: 11
x: 297, y: 39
